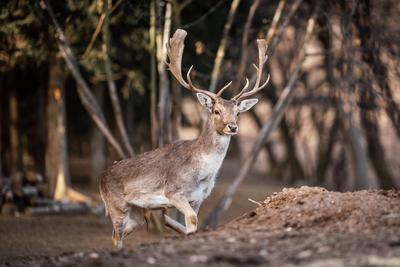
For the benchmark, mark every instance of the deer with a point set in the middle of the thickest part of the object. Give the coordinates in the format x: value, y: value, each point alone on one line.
x: 181, y: 174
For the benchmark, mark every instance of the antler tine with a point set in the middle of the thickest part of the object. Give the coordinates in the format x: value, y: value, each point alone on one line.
x: 195, y: 89
x: 223, y: 89
x: 175, y: 51
x: 262, y: 58
x: 242, y: 91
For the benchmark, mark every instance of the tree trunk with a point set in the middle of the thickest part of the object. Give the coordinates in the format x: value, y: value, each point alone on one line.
x: 325, y: 152
x: 164, y: 103
x: 350, y: 132
x: 370, y: 55
x: 15, y: 142
x: 56, y: 154
x: 153, y: 76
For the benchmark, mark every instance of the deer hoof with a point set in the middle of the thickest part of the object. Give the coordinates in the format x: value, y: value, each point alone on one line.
x: 193, y: 220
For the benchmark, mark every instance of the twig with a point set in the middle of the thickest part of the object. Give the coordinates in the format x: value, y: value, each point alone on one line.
x: 95, y: 34
x: 255, y: 202
x: 205, y: 15
x: 98, y: 29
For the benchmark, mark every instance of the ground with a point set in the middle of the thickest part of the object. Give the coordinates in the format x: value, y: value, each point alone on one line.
x: 307, y: 226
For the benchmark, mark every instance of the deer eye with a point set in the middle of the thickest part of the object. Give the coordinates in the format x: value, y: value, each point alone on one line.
x: 216, y: 112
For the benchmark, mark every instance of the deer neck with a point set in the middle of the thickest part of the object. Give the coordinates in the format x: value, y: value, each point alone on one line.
x: 210, y: 141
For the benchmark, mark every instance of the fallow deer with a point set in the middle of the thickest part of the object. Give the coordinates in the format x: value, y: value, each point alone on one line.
x: 181, y: 174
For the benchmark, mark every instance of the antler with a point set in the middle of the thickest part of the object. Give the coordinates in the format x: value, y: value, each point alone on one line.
x: 262, y: 58
x: 175, y: 51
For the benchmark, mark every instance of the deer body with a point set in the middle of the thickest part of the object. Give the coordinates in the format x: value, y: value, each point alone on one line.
x: 149, y: 179
x: 181, y: 174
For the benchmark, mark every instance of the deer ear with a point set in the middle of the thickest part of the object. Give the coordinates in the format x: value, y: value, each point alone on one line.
x: 205, y: 100
x: 247, y: 104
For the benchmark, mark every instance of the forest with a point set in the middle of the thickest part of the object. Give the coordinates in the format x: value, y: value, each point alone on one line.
x: 311, y: 179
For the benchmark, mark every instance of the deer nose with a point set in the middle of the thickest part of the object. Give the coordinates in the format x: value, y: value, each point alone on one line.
x: 233, y: 127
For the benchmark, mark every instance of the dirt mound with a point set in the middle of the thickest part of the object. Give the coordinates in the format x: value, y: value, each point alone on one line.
x: 308, y: 226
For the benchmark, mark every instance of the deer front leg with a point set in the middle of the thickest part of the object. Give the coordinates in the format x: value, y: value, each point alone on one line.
x: 181, y: 204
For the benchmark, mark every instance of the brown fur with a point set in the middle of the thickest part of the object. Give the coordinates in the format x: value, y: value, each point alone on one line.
x: 170, y: 176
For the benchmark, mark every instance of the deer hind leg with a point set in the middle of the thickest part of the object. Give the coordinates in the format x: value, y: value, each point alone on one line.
x: 118, y: 215
x: 134, y: 219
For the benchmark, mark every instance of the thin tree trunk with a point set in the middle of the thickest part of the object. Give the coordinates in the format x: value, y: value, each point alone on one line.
x: 241, y: 70
x: 273, y: 161
x: 1, y: 147
x: 350, y: 132
x: 375, y: 149
x: 277, y: 16
x: 15, y: 146
x: 325, y: 151
x: 275, y: 34
x: 153, y: 76
x: 110, y: 80
x: 130, y: 112
x: 164, y: 103
x: 369, y: 116
x: 371, y: 55
x: 245, y: 40
x: 40, y: 146
x: 175, y: 86
x: 86, y: 96
x: 222, y: 46
x: 353, y: 135
x: 277, y: 114
x: 295, y: 168
x: 97, y: 144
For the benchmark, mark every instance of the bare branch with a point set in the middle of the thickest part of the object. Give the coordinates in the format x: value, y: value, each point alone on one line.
x: 111, y: 84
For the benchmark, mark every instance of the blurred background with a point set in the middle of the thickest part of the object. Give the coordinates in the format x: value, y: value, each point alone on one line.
x: 84, y: 83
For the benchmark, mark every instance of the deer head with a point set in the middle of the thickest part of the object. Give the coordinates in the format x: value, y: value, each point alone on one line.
x: 223, y: 113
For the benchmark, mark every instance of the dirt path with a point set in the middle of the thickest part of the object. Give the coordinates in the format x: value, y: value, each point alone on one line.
x: 296, y: 227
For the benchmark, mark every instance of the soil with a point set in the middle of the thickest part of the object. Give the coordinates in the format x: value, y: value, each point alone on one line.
x: 307, y: 226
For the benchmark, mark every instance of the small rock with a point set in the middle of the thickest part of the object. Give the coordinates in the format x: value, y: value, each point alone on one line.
x: 304, y: 254
x: 231, y: 240
x: 79, y: 254
x: 253, y: 241
x: 263, y: 253
x: 198, y: 258
x: 94, y: 255
x: 151, y: 260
